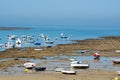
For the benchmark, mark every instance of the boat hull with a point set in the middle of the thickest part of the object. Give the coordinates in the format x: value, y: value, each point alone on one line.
x: 80, y: 65
x: 68, y: 72
x: 40, y: 68
x: 116, y: 61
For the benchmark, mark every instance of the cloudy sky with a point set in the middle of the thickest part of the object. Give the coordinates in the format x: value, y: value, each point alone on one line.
x: 97, y: 13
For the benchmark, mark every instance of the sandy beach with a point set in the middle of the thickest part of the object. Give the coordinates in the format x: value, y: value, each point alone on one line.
x: 106, y: 46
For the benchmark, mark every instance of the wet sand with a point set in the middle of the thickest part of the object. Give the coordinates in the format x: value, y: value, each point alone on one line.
x: 106, y: 46
x: 83, y: 75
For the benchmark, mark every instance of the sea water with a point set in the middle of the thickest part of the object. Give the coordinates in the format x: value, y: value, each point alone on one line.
x: 73, y: 32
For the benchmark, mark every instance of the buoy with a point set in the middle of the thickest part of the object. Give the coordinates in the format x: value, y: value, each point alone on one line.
x: 26, y: 70
x: 116, y: 78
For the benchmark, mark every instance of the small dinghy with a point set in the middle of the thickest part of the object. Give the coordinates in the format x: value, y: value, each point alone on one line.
x: 79, y: 64
x: 68, y: 72
x: 37, y: 49
x: 116, y: 61
x: 40, y: 68
x: 29, y: 65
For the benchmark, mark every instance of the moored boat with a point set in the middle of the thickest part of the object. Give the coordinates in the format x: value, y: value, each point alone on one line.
x: 78, y: 64
x: 68, y: 72
x: 29, y: 65
x: 116, y: 61
x: 40, y: 68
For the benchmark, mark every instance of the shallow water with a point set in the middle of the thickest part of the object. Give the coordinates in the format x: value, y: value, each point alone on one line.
x: 105, y: 63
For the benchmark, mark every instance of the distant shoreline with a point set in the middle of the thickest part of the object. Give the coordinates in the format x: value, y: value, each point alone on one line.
x: 13, y: 28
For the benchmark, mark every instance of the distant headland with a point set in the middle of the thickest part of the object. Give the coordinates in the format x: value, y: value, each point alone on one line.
x: 14, y: 28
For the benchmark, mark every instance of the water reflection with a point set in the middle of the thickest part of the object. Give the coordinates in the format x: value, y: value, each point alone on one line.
x: 96, y: 60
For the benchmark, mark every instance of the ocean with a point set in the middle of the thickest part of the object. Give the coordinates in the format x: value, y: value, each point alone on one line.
x: 73, y: 32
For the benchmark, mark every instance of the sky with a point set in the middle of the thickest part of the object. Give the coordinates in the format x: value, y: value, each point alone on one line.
x: 85, y: 13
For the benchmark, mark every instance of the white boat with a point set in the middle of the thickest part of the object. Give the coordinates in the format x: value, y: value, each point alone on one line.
x: 18, y: 41
x: 62, y: 36
x: 49, y: 41
x: 72, y: 59
x: 29, y: 65
x: 8, y: 45
x: 81, y: 65
x: 11, y: 37
x: 2, y: 45
x: 77, y: 64
x: 116, y: 61
x: 68, y: 72
x: 65, y: 37
x: 37, y: 49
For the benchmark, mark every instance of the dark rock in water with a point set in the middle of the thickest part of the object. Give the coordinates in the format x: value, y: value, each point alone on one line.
x: 16, y: 58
